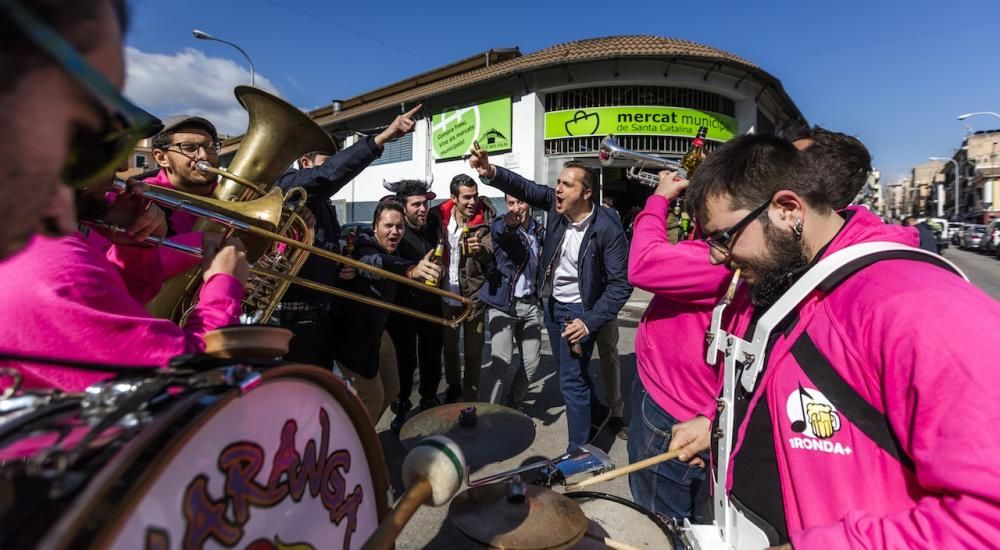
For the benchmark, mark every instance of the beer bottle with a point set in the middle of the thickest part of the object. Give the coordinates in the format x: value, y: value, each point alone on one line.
x: 349, y: 244
x: 692, y: 158
x: 462, y: 240
x: 438, y: 259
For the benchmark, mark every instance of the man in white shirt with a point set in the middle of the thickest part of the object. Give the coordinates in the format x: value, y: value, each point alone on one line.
x: 465, y: 217
x: 583, y: 273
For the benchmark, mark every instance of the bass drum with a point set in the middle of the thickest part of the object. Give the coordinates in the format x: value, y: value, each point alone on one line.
x: 286, y: 458
x: 620, y: 520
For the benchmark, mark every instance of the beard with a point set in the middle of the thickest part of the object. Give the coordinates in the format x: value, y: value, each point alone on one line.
x: 774, y: 274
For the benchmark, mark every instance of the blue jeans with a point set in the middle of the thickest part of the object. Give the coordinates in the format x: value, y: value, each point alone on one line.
x: 574, y: 379
x: 672, y: 488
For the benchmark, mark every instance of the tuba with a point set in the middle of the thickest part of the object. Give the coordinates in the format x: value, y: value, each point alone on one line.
x: 277, y: 134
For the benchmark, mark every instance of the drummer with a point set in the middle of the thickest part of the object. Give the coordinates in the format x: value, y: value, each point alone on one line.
x: 49, y: 115
x: 68, y: 295
x: 894, y: 450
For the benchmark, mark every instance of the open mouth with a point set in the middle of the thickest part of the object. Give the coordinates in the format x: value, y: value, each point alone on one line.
x: 559, y: 201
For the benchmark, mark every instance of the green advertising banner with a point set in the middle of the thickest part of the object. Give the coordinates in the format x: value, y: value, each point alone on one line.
x: 452, y: 132
x: 660, y: 121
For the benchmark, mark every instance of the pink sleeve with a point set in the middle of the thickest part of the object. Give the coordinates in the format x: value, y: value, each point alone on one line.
x: 941, y: 389
x: 140, y: 268
x: 219, y: 305
x: 682, y: 271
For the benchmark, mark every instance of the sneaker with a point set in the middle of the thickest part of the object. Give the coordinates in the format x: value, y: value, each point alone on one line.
x: 619, y: 427
x: 400, y: 403
x: 428, y: 403
x: 453, y: 394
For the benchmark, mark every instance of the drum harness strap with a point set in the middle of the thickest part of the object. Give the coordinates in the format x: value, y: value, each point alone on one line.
x: 745, y: 360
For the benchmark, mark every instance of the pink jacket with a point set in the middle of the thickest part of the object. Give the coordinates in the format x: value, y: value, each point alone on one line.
x: 919, y: 344
x: 175, y: 263
x: 670, y: 341
x: 67, y: 299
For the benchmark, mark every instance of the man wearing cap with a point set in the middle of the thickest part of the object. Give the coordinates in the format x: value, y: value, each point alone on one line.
x: 322, y: 173
x: 184, y: 141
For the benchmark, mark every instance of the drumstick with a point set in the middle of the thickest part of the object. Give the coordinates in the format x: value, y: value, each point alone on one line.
x: 626, y: 470
x: 610, y: 543
x: 433, y: 472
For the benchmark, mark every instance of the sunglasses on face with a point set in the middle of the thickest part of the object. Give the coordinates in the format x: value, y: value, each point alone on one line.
x: 722, y: 241
x: 93, y: 154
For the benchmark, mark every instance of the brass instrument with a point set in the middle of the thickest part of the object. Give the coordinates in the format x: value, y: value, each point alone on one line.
x: 277, y: 134
x: 258, y: 218
x: 611, y: 151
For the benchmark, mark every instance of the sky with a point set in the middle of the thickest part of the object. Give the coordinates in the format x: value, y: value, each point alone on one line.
x: 894, y: 73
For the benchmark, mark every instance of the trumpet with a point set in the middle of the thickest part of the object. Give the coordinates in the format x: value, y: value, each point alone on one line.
x: 611, y: 151
x: 252, y: 222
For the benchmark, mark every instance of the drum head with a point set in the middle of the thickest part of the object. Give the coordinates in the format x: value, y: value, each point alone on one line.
x: 293, y: 462
x: 607, y: 519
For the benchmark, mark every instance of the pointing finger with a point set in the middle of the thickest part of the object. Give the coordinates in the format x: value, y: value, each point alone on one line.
x: 413, y: 111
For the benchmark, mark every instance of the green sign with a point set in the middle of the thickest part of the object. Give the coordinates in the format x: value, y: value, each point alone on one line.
x: 452, y: 132
x: 659, y: 121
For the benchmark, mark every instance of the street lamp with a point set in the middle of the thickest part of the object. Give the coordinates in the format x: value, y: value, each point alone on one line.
x: 201, y: 35
x: 967, y: 115
x: 958, y: 179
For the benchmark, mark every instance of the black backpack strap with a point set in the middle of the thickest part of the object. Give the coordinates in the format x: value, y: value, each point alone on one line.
x: 845, y: 398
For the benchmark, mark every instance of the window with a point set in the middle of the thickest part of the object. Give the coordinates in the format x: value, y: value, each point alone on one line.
x: 140, y: 161
x: 399, y: 150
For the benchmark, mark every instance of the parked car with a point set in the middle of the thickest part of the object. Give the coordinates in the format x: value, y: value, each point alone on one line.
x: 356, y: 227
x: 955, y: 232
x: 973, y: 237
x: 991, y: 237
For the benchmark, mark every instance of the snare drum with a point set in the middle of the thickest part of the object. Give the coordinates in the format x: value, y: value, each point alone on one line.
x: 621, y: 523
x: 278, y: 458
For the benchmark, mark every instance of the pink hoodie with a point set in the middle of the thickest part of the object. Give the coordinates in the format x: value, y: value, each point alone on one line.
x: 919, y: 344
x: 175, y: 263
x: 67, y: 299
x: 670, y: 341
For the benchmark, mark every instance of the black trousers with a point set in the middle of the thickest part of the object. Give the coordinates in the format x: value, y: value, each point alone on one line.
x: 312, y: 340
x: 417, y: 343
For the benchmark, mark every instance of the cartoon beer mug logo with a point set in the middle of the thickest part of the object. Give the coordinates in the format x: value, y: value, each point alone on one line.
x: 583, y: 124
x: 812, y: 414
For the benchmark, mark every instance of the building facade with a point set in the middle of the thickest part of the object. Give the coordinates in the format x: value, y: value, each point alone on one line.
x: 537, y: 111
x: 979, y: 179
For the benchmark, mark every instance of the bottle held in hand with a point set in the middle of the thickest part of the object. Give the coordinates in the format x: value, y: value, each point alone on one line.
x: 438, y: 259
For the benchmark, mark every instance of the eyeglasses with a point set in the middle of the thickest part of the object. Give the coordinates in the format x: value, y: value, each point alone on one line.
x: 721, y: 241
x: 189, y: 148
x: 92, y: 154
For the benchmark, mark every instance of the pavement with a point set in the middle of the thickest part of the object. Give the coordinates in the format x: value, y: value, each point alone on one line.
x: 429, y: 527
x: 983, y: 270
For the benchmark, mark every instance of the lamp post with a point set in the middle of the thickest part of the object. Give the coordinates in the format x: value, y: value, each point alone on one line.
x: 967, y: 115
x: 201, y: 35
x: 958, y: 179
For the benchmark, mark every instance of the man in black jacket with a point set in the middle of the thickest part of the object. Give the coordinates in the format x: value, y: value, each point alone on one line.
x: 363, y: 350
x: 416, y: 341
x: 321, y: 173
x: 583, y: 275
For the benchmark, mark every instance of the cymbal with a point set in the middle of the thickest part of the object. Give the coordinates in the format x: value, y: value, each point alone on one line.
x: 543, y: 519
x: 499, y: 432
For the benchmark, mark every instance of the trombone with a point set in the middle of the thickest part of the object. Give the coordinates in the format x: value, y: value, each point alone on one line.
x: 184, y: 202
x: 611, y: 151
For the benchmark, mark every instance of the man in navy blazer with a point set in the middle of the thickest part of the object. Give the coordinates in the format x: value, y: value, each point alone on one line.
x: 583, y: 275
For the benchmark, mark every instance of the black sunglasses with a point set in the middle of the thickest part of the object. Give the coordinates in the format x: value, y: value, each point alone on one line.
x: 721, y: 240
x: 93, y: 154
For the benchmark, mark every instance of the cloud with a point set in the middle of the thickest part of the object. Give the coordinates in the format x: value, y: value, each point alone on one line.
x: 192, y: 83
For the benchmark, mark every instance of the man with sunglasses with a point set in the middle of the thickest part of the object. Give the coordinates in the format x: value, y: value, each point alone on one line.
x: 62, y: 65
x: 864, y: 427
x: 67, y: 294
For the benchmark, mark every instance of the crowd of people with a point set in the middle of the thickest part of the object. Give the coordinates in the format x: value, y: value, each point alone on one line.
x: 868, y: 427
